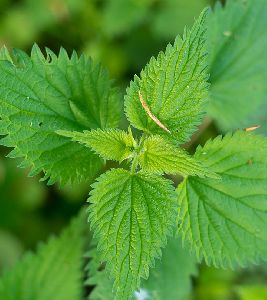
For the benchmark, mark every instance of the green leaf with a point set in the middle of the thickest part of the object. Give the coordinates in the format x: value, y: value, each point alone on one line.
x: 131, y: 214
x: 98, y: 277
x: 173, y: 87
x: 54, y: 272
x: 159, y: 156
x: 40, y: 95
x: 171, y: 279
x: 113, y: 144
x: 224, y: 220
x: 237, y: 39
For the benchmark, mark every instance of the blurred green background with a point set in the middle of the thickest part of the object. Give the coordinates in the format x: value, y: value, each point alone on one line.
x: 122, y: 35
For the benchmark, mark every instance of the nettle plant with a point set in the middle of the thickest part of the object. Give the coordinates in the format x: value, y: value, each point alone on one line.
x: 60, y: 114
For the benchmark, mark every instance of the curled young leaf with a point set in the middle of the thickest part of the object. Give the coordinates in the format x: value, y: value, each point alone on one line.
x: 160, y: 156
x: 112, y: 144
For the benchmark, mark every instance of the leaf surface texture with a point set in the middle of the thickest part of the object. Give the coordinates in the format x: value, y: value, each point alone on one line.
x: 40, y: 95
x: 113, y: 144
x: 237, y: 39
x: 224, y: 220
x: 131, y: 215
x: 173, y: 87
x: 159, y: 156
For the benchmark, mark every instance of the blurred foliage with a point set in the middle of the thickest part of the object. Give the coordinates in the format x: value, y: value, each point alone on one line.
x: 174, y: 270
x: 123, y: 35
x: 55, y: 271
x: 244, y: 284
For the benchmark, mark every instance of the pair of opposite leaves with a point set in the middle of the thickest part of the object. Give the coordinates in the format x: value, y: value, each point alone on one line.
x: 209, y: 209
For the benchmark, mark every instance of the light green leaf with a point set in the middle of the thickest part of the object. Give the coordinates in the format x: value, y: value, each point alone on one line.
x: 173, y: 87
x: 214, y: 283
x: 54, y: 272
x: 113, y: 144
x: 159, y: 156
x: 41, y: 95
x: 131, y: 214
x: 171, y: 279
x: 252, y: 292
x: 4, y: 54
x: 237, y: 39
x: 225, y: 221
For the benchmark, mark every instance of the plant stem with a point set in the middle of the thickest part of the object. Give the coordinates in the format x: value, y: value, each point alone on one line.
x: 137, y: 152
x: 134, y: 164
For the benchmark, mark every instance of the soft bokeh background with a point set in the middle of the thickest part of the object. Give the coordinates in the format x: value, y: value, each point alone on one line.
x: 123, y: 35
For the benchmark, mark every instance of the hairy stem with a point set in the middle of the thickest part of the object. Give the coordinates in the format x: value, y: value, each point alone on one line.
x: 137, y: 152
